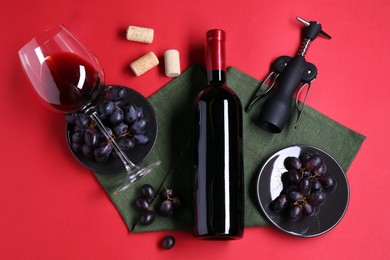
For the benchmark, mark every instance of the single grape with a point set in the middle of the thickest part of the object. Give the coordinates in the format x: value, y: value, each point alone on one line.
x: 292, y: 163
x: 131, y: 113
x: 314, y: 162
x: 140, y: 112
x: 328, y: 182
x: 315, y: 185
x: 304, y: 157
x: 106, y: 107
x: 126, y: 143
x: 116, y: 117
x: 148, y: 191
x: 293, y: 176
x: 87, y: 151
x: 166, y: 208
x: 91, y: 137
x: 102, y: 152
x: 176, y: 202
x: 142, y: 203
x: 304, y: 186
x: 76, y: 147
x: 306, y: 174
x: 285, y: 179
x: 138, y: 127
x: 316, y: 198
x: 168, y: 242
x: 295, y: 196
x: 121, y: 129
x: 141, y: 139
x: 82, y: 121
x: 320, y: 171
x: 147, y: 218
x: 289, y: 188
x: 117, y: 93
x: 71, y: 118
x: 77, y: 137
x: 279, y: 204
x: 295, y: 212
x: 307, y: 209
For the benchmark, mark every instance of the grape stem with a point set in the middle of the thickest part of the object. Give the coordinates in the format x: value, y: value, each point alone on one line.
x: 300, y: 202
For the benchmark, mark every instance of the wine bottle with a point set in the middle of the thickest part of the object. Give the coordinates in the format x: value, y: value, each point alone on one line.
x: 218, y: 160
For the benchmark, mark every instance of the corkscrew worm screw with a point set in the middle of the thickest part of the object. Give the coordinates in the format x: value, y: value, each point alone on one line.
x: 289, y: 74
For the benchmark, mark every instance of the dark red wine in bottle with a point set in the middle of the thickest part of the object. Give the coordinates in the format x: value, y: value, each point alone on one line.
x: 69, y: 81
x: 218, y: 160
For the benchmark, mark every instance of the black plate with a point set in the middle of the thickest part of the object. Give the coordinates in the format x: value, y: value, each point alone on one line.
x: 327, y: 216
x: 136, y: 155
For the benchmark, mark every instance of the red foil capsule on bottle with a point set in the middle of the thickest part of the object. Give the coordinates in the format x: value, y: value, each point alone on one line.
x: 215, y: 53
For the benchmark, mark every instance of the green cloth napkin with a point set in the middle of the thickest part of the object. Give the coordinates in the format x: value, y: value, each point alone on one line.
x: 173, y: 105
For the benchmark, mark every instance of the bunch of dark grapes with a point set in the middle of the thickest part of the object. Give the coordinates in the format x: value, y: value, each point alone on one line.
x: 305, y: 184
x: 144, y: 202
x: 124, y: 122
x: 169, y: 203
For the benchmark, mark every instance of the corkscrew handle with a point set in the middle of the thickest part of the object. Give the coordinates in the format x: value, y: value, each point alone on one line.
x: 313, y: 29
x: 277, y: 108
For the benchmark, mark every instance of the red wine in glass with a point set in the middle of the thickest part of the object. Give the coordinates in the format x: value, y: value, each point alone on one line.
x: 70, y: 81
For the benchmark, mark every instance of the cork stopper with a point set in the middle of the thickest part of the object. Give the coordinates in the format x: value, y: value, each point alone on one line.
x: 172, y: 63
x: 140, y: 34
x: 144, y: 63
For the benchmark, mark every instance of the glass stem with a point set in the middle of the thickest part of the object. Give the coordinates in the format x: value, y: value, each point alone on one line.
x: 129, y: 165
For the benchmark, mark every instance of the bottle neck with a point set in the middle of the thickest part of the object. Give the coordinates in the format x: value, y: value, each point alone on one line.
x: 215, y: 56
x: 216, y: 77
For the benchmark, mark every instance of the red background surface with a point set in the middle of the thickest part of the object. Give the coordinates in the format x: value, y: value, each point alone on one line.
x: 53, y: 208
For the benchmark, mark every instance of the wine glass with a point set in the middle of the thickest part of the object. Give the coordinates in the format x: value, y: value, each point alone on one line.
x: 68, y: 78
